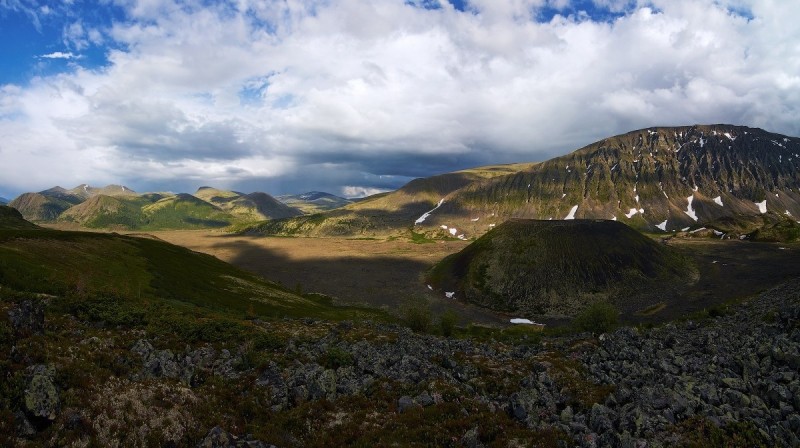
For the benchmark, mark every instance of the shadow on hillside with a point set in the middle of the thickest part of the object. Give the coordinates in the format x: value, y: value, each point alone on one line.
x: 375, y: 281
x: 729, y: 271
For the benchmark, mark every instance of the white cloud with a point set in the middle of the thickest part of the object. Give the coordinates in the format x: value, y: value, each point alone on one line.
x: 59, y: 55
x: 261, y: 89
x: 350, y: 191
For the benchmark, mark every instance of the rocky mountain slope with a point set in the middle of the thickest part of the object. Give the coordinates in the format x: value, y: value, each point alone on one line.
x: 532, y: 267
x: 100, y: 372
x: 661, y: 179
x: 657, y: 179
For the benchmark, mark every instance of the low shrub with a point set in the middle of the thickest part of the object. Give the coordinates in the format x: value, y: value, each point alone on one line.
x: 599, y: 317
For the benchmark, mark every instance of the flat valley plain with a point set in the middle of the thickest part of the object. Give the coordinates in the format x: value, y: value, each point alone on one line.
x: 386, y: 273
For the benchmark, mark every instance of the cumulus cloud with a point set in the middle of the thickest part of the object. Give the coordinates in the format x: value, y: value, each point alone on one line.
x: 273, y: 94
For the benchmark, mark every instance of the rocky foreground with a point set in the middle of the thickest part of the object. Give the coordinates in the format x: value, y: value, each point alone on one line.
x: 727, y: 380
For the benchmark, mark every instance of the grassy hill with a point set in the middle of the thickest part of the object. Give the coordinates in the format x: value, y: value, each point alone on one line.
x: 11, y: 218
x: 103, y: 211
x: 256, y: 206
x: 40, y: 207
x: 184, y: 211
x: 129, y: 274
x: 558, y: 267
x: 119, y: 207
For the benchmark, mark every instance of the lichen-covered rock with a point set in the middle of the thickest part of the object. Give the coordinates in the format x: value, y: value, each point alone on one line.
x: 405, y: 404
x: 219, y: 438
x: 27, y: 318
x: 41, y: 395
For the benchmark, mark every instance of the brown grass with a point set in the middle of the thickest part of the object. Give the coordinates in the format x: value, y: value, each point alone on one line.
x: 376, y: 273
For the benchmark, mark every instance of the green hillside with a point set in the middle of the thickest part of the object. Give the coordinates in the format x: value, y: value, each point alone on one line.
x: 247, y: 207
x: 103, y: 211
x: 136, y: 273
x: 386, y: 213
x: 558, y: 267
x: 10, y: 218
x: 39, y: 207
x: 184, y: 211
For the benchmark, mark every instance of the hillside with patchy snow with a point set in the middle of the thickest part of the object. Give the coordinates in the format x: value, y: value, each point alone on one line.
x: 658, y: 179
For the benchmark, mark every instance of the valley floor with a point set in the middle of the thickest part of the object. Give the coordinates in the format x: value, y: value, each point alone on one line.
x: 377, y: 273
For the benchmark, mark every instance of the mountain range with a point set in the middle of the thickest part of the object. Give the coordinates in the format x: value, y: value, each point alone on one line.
x: 117, y: 206
x: 314, y: 201
x: 660, y: 179
x: 732, y: 179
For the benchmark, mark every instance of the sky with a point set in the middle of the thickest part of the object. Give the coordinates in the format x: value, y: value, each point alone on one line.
x: 355, y: 97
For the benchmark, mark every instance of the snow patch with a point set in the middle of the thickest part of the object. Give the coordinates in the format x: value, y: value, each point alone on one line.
x: 662, y: 226
x: 491, y: 226
x: 425, y: 215
x: 762, y: 206
x: 519, y: 320
x: 430, y: 287
x: 563, y: 195
x: 684, y: 229
x: 453, y: 231
x: 718, y: 200
x: 443, y: 227
x: 697, y: 230
x: 630, y: 214
x: 475, y: 219
x: 788, y: 213
x: 572, y: 213
x: 450, y: 295
x: 730, y: 137
x: 613, y: 218
x: 689, y: 210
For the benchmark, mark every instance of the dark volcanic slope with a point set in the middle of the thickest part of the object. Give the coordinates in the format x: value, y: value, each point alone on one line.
x: 558, y: 267
x: 659, y: 179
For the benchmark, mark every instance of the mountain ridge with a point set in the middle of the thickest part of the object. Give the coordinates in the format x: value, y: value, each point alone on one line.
x: 657, y: 179
x: 119, y: 207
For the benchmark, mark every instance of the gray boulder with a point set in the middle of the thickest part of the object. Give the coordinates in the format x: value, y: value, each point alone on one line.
x: 219, y: 438
x: 27, y: 318
x: 40, y: 399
